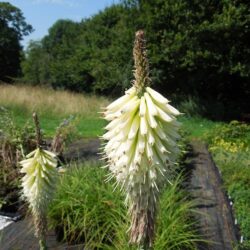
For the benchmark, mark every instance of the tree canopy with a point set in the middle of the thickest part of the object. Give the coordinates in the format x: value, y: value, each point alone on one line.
x: 196, y: 48
x: 12, y: 29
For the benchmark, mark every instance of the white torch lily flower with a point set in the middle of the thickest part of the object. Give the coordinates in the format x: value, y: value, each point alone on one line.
x: 38, y: 182
x: 141, y: 147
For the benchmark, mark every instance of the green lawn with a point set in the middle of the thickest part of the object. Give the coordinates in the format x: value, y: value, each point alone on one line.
x: 52, y: 108
x: 87, y: 126
x: 92, y: 125
x: 197, y: 127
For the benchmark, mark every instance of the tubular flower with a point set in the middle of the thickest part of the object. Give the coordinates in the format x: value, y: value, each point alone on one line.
x: 141, y: 146
x: 39, y: 184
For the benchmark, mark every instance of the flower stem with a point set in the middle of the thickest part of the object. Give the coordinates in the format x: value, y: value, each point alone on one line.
x: 38, y: 130
x: 40, y: 222
x: 42, y: 245
x: 141, y: 71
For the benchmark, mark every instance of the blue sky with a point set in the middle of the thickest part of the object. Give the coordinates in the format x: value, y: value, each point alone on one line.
x: 42, y: 14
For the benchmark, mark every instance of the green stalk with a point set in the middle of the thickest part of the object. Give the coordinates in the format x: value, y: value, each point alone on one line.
x: 42, y: 244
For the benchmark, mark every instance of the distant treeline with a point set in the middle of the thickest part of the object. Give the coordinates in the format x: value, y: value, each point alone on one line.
x: 197, y: 49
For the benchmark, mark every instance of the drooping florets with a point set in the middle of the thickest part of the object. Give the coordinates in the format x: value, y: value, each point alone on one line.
x: 141, y: 146
x: 39, y: 183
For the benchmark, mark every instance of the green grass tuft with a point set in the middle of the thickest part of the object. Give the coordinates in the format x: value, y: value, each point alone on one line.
x: 87, y: 209
x: 175, y: 227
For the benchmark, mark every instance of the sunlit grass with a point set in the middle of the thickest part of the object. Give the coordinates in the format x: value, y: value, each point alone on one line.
x: 197, y: 127
x: 52, y: 107
x: 42, y: 100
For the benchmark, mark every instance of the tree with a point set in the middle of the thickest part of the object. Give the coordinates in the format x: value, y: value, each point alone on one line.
x: 106, y: 42
x: 92, y: 56
x: 196, y: 48
x: 200, y: 48
x: 12, y: 29
x: 61, y: 45
x: 36, y: 69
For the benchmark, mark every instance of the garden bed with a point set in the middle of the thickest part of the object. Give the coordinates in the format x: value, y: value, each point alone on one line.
x: 204, y: 183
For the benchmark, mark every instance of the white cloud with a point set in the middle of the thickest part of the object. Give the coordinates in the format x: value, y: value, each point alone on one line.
x: 70, y: 3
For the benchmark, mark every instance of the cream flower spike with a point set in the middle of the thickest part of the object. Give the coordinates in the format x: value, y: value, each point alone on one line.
x: 39, y: 180
x: 141, y: 146
x: 39, y: 183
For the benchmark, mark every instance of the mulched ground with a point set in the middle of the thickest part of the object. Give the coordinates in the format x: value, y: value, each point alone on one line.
x: 83, y: 149
x: 215, y: 217
x: 205, y: 185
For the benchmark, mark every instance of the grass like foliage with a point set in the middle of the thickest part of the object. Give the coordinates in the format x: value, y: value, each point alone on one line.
x: 197, y: 127
x: 175, y: 228
x: 87, y: 210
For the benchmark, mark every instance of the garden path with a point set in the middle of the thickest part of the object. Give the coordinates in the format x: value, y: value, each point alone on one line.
x: 215, y: 217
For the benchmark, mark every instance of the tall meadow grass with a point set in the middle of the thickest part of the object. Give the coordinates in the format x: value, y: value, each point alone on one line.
x: 53, y: 106
x: 45, y: 100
